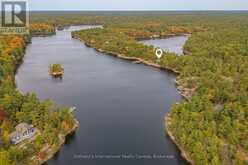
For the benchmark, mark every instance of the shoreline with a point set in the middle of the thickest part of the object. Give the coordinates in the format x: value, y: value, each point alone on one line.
x: 61, y: 137
x: 133, y: 59
x: 162, y: 36
x: 183, y: 153
x: 184, y: 92
x: 55, y: 149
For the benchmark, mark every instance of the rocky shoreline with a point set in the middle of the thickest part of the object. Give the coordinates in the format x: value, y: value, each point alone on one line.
x: 50, y: 152
x: 134, y: 59
x: 184, y: 154
x: 185, y: 92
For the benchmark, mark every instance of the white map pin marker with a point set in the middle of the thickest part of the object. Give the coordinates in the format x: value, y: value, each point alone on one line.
x: 159, y: 53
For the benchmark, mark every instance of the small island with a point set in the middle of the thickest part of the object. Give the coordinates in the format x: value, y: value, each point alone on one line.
x: 56, y: 70
x: 60, y: 28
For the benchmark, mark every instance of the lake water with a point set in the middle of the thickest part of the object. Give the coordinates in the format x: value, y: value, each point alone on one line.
x: 172, y: 44
x: 120, y: 105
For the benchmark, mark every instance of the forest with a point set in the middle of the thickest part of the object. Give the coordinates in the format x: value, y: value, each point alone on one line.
x: 210, y: 126
x: 42, y: 29
x: 52, y: 121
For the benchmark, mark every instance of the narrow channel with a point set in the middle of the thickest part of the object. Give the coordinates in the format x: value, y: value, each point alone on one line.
x: 120, y: 105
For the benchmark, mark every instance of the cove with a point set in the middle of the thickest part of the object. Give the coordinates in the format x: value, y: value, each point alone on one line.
x: 120, y: 105
x: 171, y: 44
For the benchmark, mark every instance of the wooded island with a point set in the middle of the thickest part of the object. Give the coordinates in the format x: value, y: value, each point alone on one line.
x: 56, y: 70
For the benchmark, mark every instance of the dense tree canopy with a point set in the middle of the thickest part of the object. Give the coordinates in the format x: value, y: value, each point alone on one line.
x: 16, y: 108
x: 37, y: 29
x: 211, y: 126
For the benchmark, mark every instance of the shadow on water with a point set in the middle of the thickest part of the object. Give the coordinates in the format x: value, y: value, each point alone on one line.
x: 70, y: 138
x: 57, y: 79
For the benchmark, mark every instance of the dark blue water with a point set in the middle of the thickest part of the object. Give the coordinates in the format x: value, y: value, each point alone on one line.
x: 120, y: 105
